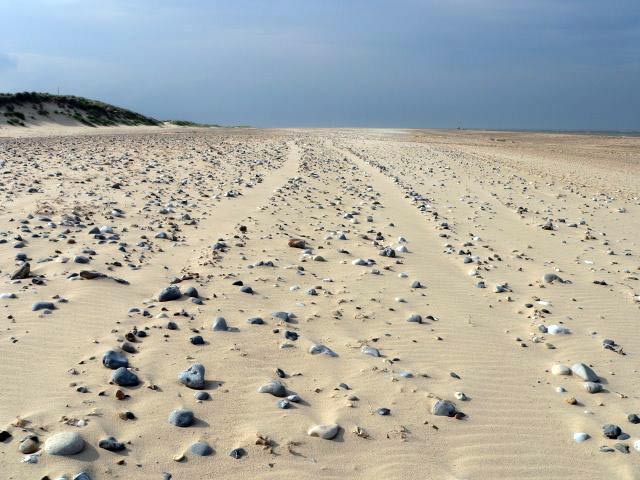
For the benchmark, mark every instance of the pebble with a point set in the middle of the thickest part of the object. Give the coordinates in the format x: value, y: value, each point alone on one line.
x: 220, y: 325
x: 114, y: 360
x: 237, y: 453
x: 621, y: 447
x: 29, y: 444
x: 559, y: 369
x: 111, y: 444
x: 43, y: 306
x: 125, y: 378
x: 191, y: 292
x: 321, y: 349
x: 181, y: 418
x: 327, y: 432
x: 374, y: 352
x: 22, y: 272
x: 64, y: 443
x: 585, y: 372
x: 551, y: 277
x: 592, y: 387
x: 611, y: 431
x: 443, y: 408
x: 202, y: 396
x: 558, y: 330
x: 580, y: 437
x: 275, y: 388
x: 285, y: 316
x: 201, y: 449
x: 193, y: 377
x: 172, y: 292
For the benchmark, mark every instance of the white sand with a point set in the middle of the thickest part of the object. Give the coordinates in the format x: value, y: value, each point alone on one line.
x: 301, y: 184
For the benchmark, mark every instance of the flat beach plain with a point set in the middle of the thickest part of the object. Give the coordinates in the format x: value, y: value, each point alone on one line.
x: 107, y: 218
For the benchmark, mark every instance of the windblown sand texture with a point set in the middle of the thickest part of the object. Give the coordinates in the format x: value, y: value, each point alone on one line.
x: 216, y: 209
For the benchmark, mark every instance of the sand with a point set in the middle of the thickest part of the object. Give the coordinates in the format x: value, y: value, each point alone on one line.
x: 453, y: 195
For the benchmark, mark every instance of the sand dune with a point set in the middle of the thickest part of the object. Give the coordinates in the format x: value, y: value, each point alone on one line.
x: 400, y: 230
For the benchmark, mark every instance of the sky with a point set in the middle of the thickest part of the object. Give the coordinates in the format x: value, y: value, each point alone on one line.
x: 505, y: 64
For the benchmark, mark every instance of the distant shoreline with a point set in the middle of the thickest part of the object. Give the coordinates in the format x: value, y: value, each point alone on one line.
x: 606, y: 133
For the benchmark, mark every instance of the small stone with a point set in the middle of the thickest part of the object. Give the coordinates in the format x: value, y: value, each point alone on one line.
x: 43, y: 306
x: 374, y: 352
x: 29, y: 445
x: 64, y: 443
x: 22, y: 272
x: 559, y: 369
x: 622, y: 447
x: 327, y: 432
x: 611, y: 431
x: 383, y: 411
x: 172, y: 292
x: 111, y: 444
x: 237, y: 453
x: 181, y: 418
x: 551, y: 277
x: 202, y: 396
x: 592, y: 387
x: 201, y: 449
x: 633, y: 418
x: 585, y: 372
x: 443, y: 408
x: 580, y: 437
x: 114, y: 360
x: 219, y: 325
x: 297, y: 243
x: 415, y: 318
x: 285, y: 316
x: 193, y: 377
x: 191, y: 292
x: 275, y: 388
x: 125, y: 378
x: 321, y: 349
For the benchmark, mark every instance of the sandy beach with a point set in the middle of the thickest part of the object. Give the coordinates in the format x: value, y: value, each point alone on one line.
x: 196, y: 303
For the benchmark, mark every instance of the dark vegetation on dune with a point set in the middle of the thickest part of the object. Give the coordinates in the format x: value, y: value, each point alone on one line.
x: 186, y: 123
x: 88, y: 112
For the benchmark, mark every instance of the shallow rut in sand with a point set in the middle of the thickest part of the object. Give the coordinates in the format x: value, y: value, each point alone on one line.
x: 513, y: 408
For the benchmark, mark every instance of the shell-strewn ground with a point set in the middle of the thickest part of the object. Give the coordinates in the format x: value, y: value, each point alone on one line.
x: 395, y: 226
